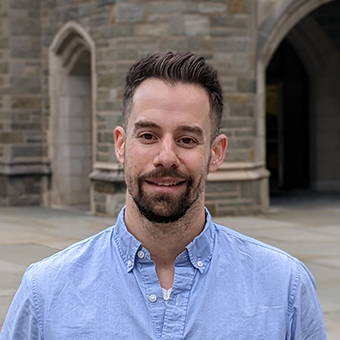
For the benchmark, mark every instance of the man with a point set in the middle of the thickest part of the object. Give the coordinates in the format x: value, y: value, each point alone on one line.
x: 165, y: 270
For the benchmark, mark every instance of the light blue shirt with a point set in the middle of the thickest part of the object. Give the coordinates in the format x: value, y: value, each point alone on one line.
x: 226, y: 286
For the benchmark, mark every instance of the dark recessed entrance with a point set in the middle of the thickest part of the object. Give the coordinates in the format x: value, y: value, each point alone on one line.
x: 287, y: 121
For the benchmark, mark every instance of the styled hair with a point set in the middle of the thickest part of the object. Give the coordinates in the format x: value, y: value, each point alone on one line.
x: 176, y: 68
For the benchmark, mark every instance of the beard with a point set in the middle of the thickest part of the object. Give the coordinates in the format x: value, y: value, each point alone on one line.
x: 164, y: 208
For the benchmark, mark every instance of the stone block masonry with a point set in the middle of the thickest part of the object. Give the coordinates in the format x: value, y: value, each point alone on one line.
x: 22, y: 140
x: 121, y: 32
x: 20, y: 190
x: 222, y: 32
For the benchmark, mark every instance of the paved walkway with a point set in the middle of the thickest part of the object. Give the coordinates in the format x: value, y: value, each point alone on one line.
x: 306, y: 227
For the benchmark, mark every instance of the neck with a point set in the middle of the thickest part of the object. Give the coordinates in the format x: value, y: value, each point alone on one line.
x: 165, y: 241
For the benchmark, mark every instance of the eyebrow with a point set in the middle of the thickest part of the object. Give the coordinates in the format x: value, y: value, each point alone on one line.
x: 142, y: 124
x: 194, y: 129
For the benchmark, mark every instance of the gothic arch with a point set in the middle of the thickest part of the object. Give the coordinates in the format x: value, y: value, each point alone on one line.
x: 321, y: 60
x: 313, y: 47
x: 285, y: 15
x: 71, y: 134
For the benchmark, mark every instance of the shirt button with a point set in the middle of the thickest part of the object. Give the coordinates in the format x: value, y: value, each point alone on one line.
x: 129, y: 263
x: 200, y: 263
x: 152, y: 298
x: 141, y: 254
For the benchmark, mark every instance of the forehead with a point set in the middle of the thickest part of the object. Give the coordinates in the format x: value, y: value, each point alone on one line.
x: 154, y: 96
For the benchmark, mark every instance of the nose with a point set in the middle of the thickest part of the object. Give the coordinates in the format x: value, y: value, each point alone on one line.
x: 167, y: 154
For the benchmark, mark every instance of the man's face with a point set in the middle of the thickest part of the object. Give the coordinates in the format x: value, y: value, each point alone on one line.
x: 166, y: 149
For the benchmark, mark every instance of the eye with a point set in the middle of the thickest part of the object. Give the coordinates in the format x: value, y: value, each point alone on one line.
x: 187, y: 142
x: 147, y: 137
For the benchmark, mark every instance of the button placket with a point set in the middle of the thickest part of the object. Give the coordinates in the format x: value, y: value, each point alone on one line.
x: 176, y: 309
x: 150, y: 286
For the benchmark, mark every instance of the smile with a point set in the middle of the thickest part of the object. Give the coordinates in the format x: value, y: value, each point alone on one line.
x: 166, y: 184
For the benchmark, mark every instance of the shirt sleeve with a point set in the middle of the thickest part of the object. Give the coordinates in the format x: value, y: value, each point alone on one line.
x: 21, y: 321
x: 306, y: 321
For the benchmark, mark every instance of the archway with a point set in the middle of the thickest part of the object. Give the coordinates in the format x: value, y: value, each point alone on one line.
x: 287, y: 121
x: 71, y: 119
x: 318, y: 55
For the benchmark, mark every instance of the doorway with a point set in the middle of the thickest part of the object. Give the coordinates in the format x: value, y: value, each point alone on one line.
x: 287, y: 121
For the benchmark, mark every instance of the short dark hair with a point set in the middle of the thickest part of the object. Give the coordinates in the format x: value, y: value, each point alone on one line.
x: 176, y: 68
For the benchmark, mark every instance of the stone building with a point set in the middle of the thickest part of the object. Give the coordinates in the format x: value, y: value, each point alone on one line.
x: 62, y: 73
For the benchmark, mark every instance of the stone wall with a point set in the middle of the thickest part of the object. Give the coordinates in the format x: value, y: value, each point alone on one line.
x: 102, y: 40
x: 125, y: 31
x: 327, y: 104
x: 5, y: 135
x: 222, y: 31
x: 22, y: 149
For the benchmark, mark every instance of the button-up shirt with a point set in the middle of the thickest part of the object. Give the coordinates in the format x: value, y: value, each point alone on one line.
x: 226, y: 286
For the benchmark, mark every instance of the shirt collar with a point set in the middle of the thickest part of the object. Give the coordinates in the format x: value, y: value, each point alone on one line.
x: 200, y: 250
x: 126, y: 242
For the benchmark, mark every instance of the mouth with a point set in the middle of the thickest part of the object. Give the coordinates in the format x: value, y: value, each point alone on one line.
x: 165, y: 183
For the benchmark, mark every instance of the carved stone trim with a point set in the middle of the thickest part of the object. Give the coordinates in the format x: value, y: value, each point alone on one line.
x: 31, y: 167
x: 239, y: 171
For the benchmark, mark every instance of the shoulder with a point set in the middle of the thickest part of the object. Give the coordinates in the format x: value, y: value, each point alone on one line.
x: 56, y: 283
x: 254, y: 255
x: 268, y: 266
x: 255, y: 247
x: 68, y: 261
x: 275, y: 276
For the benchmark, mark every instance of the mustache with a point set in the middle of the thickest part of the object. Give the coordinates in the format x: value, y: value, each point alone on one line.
x: 171, y: 172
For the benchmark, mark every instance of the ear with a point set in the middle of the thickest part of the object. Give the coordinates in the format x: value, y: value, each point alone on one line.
x: 218, y: 149
x: 119, y: 140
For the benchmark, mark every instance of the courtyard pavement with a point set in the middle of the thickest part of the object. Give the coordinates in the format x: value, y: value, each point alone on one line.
x: 306, y: 227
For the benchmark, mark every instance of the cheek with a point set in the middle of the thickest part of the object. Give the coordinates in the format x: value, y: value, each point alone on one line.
x: 136, y: 161
x: 196, y: 164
